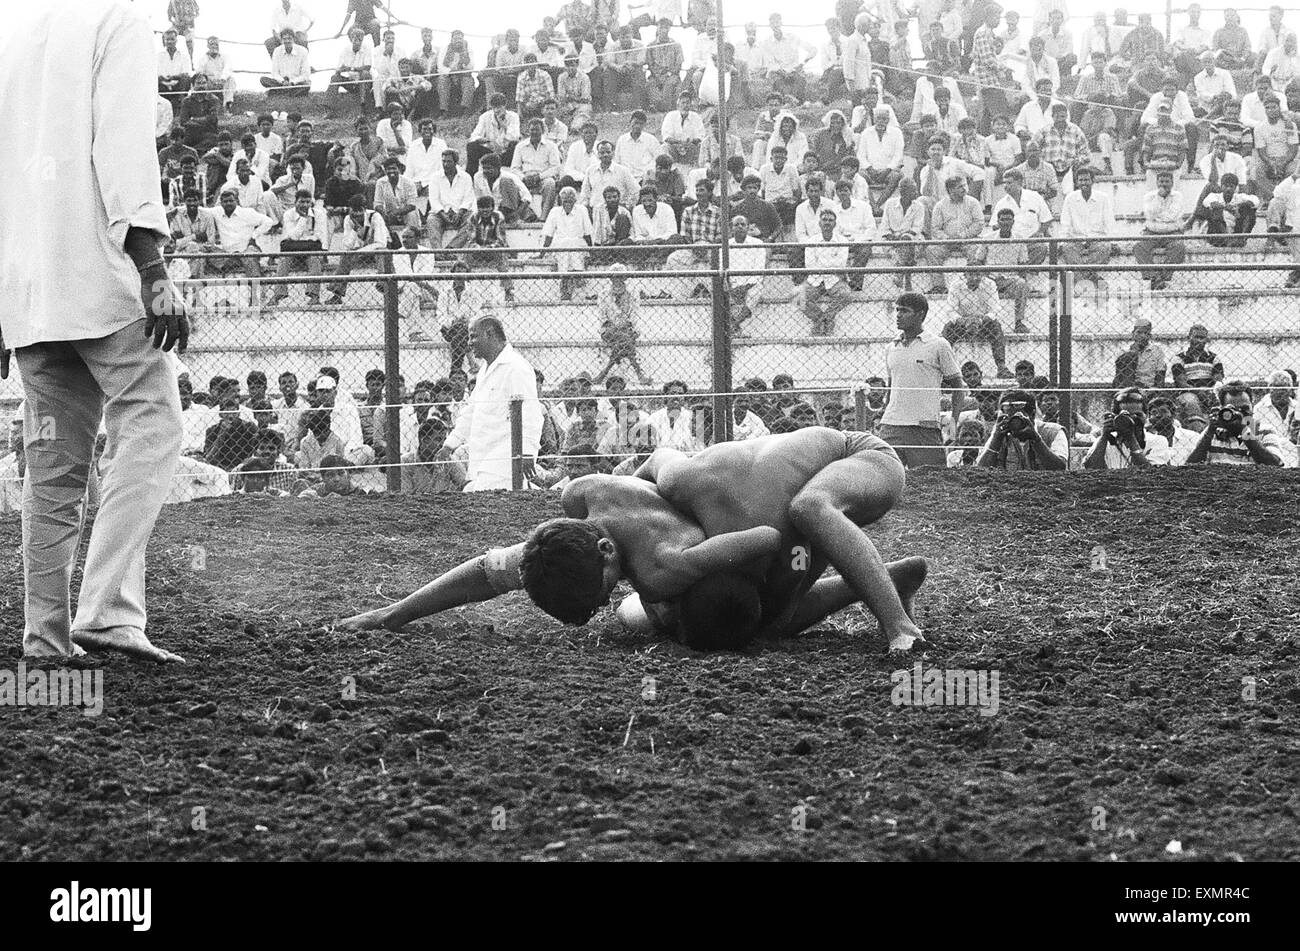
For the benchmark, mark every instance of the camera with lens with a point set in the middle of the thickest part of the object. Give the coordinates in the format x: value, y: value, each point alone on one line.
x: 1126, y: 424
x: 1228, y: 419
x: 1016, y: 420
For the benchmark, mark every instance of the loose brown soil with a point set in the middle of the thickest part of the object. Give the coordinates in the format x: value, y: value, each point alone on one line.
x: 1120, y: 690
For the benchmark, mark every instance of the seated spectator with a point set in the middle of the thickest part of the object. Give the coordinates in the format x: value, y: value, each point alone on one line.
x: 1065, y: 147
x: 1012, y: 253
x: 537, y: 164
x: 266, y: 471
x: 1086, y: 213
x: 188, y: 180
x: 1276, y: 411
x: 1252, y: 111
x: 1234, y: 436
x: 395, y: 131
x: 451, y: 205
x: 355, y: 70
x: 637, y: 149
x: 1284, y: 219
x: 251, y: 191
x: 169, y: 158
x: 1036, y: 114
x: 1144, y: 363
x: 175, y: 71
x: 967, y: 444
x: 259, y: 163
x: 1281, y: 65
x: 933, y: 176
x: 411, y: 90
x: 217, y: 161
x: 422, y: 473
x: 579, y: 157
x: 670, y: 184
x: 1123, y: 440
x: 553, y: 130
x: 760, y: 216
x: 364, y: 232
x: 855, y: 223
x: 611, y: 222
x: 424, y: 157
x: 833, y: 141
x: 825, y: 268
x: 231, y: 440
x: 747, y: 253
x: 904, y: 218
x: 512, y: 198
x: 315, y: 152
x: 396, y: 197
x: 283, y: 194
x: 488, y: 234
x: 568, y: 225
x: 192, y: 231
x: 1019, y: 440
x: 199, y: 113
x: 238, y: 229
x: 625, y: 78
x: 683, y: 131
x: 790, y: 138
x: 496, y: 133
x: 290, y: 75
x: 335, y: 479
x: 954, y: 220
x: 573, y: 94
x: 973, y: 301
x: 608, y: 172
x: 1197, y: 367
x: 1164, y: 221
x: 1161, y: 422
x: 671, y: 424
x: 339, y: 190
x: 304, y: 229
x: 345, y: 416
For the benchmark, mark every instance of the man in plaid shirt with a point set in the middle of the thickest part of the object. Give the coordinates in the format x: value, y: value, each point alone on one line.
x: 702, y: 222
x: 1064, y: 145
x: 532, y: 88
x: 988, y: 72
x: 1038, y: 175
x: 1099, y: 91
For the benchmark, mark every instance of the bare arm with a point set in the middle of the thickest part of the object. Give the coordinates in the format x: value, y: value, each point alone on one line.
x: 727, y: 551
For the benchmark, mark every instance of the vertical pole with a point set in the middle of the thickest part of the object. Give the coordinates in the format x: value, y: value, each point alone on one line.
x: 1169, y: 20
x: 1066, y: 373
x: 723, y: 419
x: 392, y: 370
x: 517, y: 443
x: 860, y: 410
x: 1053, y: 329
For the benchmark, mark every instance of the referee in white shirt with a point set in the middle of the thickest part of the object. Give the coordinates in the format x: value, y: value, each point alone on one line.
x: 73, y: 308
x: 918, y: 366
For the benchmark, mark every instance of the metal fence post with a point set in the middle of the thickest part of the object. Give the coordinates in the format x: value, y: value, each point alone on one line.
x: 723, y: 419
x: 517, y: 443
x: 1066, y: 378
x: 393, y: 397
x: 860, y: 410
x: 1053, y: 302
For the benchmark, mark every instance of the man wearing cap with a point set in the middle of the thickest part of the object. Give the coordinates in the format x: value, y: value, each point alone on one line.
x: 85, y: 308
x: 1163, y: 144
x: 1163, y: 222
x: 1143, y: 363
x: 484, y: 428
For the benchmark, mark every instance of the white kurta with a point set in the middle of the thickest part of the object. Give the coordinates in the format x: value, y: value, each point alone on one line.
x: 567, y: 230
x: 484, y: 427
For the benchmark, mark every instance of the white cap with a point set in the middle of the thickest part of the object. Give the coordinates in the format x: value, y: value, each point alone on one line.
x: 325, y: 383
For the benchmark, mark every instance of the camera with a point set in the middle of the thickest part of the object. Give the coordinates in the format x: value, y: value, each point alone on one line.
x: 1126, y: 424
x: 1228, y: 419
x: 1016, y: 421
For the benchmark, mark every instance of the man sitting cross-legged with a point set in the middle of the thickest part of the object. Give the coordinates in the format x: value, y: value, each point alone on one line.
x: 805, y: 497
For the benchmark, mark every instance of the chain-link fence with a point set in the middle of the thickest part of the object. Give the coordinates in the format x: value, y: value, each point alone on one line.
x: 300, y: 362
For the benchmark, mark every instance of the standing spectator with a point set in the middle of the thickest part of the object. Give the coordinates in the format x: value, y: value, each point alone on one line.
x: 290, y: 75
x: 175, y: 69
x: 1144, y: 363
x: 484, y: 427
x: 79, y: 306
x: 1164, y: 221
x: 182, y: 15
x: 361, y: 13
x: 918, y: 365
x: 1088, y: 214
x: 973, y: 301
x: 457, y: 70
x: 825, y: 268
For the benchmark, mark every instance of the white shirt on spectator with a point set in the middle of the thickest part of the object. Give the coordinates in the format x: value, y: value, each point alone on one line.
x: 1181, y: 114
x: 1087, y: 218
x: 646, y: 228
x: 637, y: 154
x: 454, y: 195
x: 1031, y: 213
x: 675, y: 127
x: 1231, y: 162
x: 1207, y: 87
x: 881, y: 152
x: 424, y: 162
x: 484, y: 426
x: 98, y: 119
x: 313, y: 226
x: 295, y: 18
x: 176, y: 63
x: 259, y: 165
x: 388, y: 135
x: 291, y: 66
x: 823, y: 261
x: 235, y: 231
x: 915, y: 371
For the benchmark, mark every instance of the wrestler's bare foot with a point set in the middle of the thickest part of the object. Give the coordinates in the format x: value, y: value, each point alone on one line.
x: 370, y: 621
x: 130, y: 641
x: 908, y: 575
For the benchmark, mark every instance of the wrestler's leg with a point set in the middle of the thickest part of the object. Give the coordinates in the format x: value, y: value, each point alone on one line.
x: 830, y: 595
x: 830, y: 510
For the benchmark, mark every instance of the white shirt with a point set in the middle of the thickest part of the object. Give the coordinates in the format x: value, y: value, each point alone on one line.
x: 99, y: 120
x: 259, y: 165
x: 915, y: 372
x: 881, y: 152
x: 423, y: 163
x: 544, y: 160
x: 291, y: 66
x: 1033, y: 118
x: 1181, y: 114
x: 1252, y: 110
x: 1091, y: 218
x: 675, y: 127
x: 295, y: 18
x: 749, y: 255
x: 235, y: 231
x: 351, y: 60
x: 675, y: 433
x: 484, y: 426
x: 312, y: 226
x: 662, y: 225
x: 216, y: 68
x: 1031, y: 213
x: 822, y: 260
x: 1231, y: 162
x: 577, y: 160
x: 454, y: 195
x: 174, y: 64
x: 388, y: 135
x: 637, y: 155
x: 855, y: 223
x: 1207, y: 87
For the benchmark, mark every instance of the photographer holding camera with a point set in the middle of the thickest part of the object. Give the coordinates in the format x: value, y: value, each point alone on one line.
x: 1019, y: 442
x: 1124, y: 440
x: 1233, y: 435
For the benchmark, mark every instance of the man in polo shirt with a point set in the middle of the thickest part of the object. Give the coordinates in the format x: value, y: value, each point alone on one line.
x: 918, y: 367
x: 1197, y: 367
x: 1236, y: 437
x: 1164, y: 221
x: 1142, y: 364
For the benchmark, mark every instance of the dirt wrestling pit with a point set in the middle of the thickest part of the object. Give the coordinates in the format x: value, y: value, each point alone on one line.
x: 1140, y: 628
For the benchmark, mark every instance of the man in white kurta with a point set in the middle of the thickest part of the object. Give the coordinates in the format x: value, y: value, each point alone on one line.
x: 72, y: 307
x: 484, y: 427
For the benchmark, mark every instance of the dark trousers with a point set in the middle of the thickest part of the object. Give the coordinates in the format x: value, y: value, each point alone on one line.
x: 474, y: 152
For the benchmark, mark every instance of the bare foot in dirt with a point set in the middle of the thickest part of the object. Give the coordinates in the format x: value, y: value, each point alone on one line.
x: 130, y: 641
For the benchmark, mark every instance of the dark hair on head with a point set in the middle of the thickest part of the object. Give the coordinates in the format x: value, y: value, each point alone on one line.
x: 375, y: 374
x: 1025, y: 364
x: 316, y: 419
x: 255, y: 376
x: 1128, y: 394
x: 751, y: 180
x: 1160, y: 401
x: 357, y: 203
x: 563, y: 569
x: 1229, y: 179
x: 721, y: 611
x: 335, y: 462
x: 1235, y: 388
x: 675, y: 385
x: 273, y: 435
x: 498, y: 99
x: 913, y: 302
x: 1020, y: 396
x: 491, y: 159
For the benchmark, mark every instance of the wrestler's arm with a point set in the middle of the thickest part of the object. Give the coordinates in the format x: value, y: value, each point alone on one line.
x: 723, y: 552
x: 468, y: 583
x: 659, y: 459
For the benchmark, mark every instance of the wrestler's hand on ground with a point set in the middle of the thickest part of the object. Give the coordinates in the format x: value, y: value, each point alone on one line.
x: 165, y: 317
